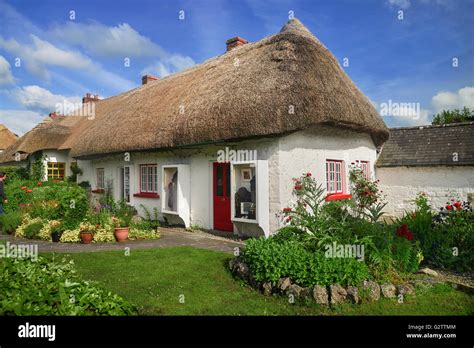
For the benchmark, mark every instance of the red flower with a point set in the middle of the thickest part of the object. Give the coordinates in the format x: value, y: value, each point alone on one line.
x: 457, y: 205
x: 40, y: 184
x: 403, y: 231
x: 308, y: 174
x: 29, y: 191
x: 24, y: 188
x: 449, y: 207
x: 287, y: 210
x: 298, y: 187
x: 288, y: 219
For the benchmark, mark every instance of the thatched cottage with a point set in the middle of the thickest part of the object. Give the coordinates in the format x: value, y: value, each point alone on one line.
x: 437, y: 160
x: 7, y: 138
x: 217, y: 145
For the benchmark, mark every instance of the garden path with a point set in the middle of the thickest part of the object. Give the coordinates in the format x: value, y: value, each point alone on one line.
x: 170, y: 237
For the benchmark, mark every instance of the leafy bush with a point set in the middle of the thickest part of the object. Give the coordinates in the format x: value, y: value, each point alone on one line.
x: 32, y: 230
x: 70, y: 236
x: 446, y: 238
x: 45, y: 287
x: 10, y: 221
x: 49, y: 200
x: 15, y: 173
x: 151, y: 221
x: 270, y: 260
x: 366, y: 194
x: 24, y: 231
x: 137, y: 233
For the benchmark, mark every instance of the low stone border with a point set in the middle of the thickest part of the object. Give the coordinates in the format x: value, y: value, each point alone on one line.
x: 331, y: 295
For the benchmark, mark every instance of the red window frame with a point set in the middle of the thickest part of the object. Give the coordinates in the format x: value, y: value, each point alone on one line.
x: 100, y: 187
x: 154, y: 181
x: 336, y: 194
x: 331, y: 168
x: 364, y: 165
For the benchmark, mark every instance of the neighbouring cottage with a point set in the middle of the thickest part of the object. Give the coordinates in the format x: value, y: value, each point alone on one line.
x: 7, y: 138
x: 437, y: 160
x: 217, y: 145
x: 42, y: 143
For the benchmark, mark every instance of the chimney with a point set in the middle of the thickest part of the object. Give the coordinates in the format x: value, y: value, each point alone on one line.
x: 90, y: 98
x: 235, y: 42
x: 54, y: 115
x: 148, y: 78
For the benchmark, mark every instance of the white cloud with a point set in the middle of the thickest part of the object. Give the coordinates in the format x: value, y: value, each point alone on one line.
x: 169, y: 65
x: 6, y: 77
x: 121, y: 41
x: 39, y: 54
x: 98, y: 39
x: 403, y: 4
x: 457, y: 100
x: 20, y: 121
x: 41, y: 100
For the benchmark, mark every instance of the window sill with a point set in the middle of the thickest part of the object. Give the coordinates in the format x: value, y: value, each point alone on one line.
x: 337, y: 196
x: 147, y: 195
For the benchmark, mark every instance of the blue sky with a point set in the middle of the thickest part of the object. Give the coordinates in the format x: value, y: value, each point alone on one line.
x: 407, y: 60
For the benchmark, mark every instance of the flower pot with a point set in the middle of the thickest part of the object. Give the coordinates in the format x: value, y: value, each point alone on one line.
x: 86, y: 237
x: 56, y: 236
x: 121, y: 234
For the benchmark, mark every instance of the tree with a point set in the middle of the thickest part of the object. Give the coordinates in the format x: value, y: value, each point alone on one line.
x: 453, y: 116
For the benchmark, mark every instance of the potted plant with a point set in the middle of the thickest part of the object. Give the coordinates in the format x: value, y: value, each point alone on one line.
x: 121, y: 227
x: 87, y: 232
x: 122, y: 221
x: 55, y: 231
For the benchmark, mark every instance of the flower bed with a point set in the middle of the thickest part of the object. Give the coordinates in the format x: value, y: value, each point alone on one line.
x: 339, y: 245
x: 38, y: 210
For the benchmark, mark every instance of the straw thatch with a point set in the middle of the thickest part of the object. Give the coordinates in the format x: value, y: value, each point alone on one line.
x: 281, y: 84
x: 47, y: 135
x: 7, y: 137
x: 247, y: 92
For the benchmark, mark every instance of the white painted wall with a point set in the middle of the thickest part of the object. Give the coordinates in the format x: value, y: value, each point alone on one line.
x: 287, y: 157
x: 57, y: 156
x: 401, y: 184
x: 307, y: 151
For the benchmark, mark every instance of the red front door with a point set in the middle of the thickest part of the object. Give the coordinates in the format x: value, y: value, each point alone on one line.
x: 222, y: 197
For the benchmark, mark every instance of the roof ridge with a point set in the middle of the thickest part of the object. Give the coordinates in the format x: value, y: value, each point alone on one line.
x: 458, y: 124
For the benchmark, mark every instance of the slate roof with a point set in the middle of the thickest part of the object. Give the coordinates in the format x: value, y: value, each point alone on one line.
x: 429, y: 146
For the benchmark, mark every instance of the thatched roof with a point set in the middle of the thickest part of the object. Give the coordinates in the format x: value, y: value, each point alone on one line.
x: 281, y: 84
x: 246, y: 92
x: 47, y: 135
x: 445, y: 145
x: 7, y: 137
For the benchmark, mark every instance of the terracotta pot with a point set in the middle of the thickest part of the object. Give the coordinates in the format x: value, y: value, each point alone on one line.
x: 121, y: 233
x: 87, y: 237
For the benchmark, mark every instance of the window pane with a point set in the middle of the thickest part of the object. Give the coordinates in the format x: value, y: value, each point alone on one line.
x: 150, y: 179
x: 155, y: 179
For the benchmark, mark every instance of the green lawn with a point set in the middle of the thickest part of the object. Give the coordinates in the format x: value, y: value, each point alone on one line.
x: 154, y: 280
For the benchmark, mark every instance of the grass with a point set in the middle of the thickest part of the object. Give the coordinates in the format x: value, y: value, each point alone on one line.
x: 190, y: 281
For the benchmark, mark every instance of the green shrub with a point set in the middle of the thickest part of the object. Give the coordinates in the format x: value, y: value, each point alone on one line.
x: 447, y: 238
x: 15, y: 173
x: 45, y: 287
x: 10, y: 221
x: 33, y: 229
x: 270, y: 260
